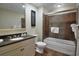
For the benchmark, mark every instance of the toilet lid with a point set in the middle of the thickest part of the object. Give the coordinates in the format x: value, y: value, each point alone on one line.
x: 41, y: 43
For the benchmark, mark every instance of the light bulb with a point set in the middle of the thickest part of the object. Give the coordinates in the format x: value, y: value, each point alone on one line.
x: 58, y: 5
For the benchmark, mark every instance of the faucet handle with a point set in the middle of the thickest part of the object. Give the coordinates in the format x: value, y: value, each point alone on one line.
x: 9, y: 37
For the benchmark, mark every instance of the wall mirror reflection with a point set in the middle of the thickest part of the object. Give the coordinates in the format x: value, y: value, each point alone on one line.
x: 12, y: 15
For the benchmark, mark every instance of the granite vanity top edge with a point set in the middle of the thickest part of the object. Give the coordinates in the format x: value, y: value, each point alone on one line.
x: 12, y: 42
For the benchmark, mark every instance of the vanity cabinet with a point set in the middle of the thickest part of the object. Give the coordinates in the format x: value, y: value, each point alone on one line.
x: 29, y: 50
x: 15, y: 52
x: 23, y: 48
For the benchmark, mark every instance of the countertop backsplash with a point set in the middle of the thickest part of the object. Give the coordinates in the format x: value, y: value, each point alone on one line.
x: 11, y: 31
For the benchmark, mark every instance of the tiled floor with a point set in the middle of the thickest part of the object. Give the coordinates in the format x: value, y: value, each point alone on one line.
x: 49, y: 52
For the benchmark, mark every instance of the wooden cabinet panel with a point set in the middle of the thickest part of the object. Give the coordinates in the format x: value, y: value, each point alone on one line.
x: 15, y: 52
x: 29, y: 50
x: 28, y: 42
x: 9, y: 48
x: 23, y: 48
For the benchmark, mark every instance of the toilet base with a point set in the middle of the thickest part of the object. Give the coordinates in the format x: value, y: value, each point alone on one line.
x: 40, y: 47
x: 39, y: 50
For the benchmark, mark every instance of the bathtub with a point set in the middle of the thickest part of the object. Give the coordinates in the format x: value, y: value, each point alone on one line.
x: 60, y: 45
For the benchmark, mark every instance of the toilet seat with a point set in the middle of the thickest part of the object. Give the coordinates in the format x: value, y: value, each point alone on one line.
x: 40, y: 43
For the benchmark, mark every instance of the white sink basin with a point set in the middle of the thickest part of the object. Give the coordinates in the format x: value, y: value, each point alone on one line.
x: 1, y: 40
x: 20, y: 38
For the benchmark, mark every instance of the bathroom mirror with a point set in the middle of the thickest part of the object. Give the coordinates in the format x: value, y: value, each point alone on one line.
x: 12, y: 15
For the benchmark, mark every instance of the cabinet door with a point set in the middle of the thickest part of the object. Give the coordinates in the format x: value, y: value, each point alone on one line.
x: 29, y: 50
x: 15, y: 52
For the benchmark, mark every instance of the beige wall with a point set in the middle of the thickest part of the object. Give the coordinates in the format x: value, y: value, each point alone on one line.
x: 37, y: 30
x: 40, y: 23
x: 9, y: 19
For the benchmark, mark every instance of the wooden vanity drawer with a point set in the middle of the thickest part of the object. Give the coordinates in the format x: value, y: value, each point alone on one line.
x: 27, y: 42
x: 14, y: 52
x: 9, y: 47
x: 29, y: 50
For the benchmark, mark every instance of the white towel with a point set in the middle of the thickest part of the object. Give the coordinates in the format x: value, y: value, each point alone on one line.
x: 55, y: 29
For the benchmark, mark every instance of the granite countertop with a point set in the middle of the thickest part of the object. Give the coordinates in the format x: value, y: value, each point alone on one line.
x: 8, y: 42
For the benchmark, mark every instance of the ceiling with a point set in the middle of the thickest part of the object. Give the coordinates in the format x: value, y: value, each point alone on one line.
x: 48, y: 7
x: 51, y: 7
x: 16, y: 7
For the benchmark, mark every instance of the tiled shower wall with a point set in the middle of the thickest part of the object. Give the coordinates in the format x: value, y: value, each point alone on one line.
x: 63, y: 22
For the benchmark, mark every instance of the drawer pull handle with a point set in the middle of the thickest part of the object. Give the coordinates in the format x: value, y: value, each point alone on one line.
x: 22, y: 49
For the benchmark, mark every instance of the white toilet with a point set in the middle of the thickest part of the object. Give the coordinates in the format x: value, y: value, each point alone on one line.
x: 40, y: 47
